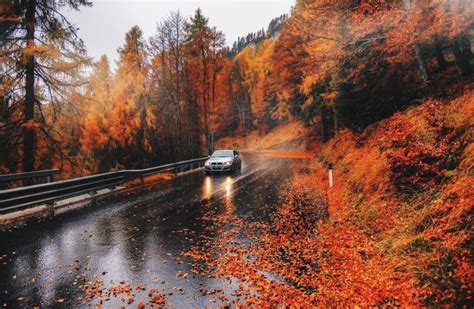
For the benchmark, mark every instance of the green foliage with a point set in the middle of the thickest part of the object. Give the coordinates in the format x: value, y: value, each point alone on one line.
x: 197, y: 23
x: 254, y: 39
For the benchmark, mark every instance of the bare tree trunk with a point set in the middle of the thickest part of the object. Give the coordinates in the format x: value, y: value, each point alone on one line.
x: 324, y: 124
x: 28, y: 131
x: 213, y: 116
x: 442, y: 63
x: 462, y: 61
x: 408, y: 5
x: 465, y: 44
x: 421, y: 63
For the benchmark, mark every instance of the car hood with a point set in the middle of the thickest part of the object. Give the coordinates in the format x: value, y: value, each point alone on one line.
x: 222, y: 160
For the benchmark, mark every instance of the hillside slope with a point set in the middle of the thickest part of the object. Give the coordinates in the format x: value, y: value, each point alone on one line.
x: 406, y: 184
x: 399, y: 229
x: 288, y: 136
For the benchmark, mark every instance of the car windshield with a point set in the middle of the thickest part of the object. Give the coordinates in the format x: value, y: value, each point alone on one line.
x: 223, y: 154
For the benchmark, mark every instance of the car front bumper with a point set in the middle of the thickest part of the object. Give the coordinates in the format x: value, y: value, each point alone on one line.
x: 217, y: 169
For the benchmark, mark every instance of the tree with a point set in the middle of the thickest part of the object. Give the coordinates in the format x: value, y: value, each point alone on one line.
x: 204, y: 48
x: 169, y: 75
x: 217, y: 54
x: 43, y: 56
x: 241, y: 110
x: 371, y: 58
x: 119, y: 124
x: 95, y: 124
x: 288, y: 68
x: 131, y: 118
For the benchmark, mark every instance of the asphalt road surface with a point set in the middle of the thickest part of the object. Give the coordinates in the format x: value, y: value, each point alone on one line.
x: 135, y: 240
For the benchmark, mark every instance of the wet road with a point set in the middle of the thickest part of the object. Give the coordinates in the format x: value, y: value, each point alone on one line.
x: 137, y: 240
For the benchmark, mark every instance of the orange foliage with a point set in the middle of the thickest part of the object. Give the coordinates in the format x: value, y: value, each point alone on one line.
x: 148, y: 180
x: 373, y: 246
x: 425, y: 235
x: 300, y: 261
x: 255, y: 66
x: 288, y: 154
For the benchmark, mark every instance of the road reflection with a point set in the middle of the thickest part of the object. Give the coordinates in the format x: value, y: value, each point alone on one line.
x: 228, y: 186
x: 229, y: 194
x: 207, y: 188
x: 219, y: 185
x: 137, y: 239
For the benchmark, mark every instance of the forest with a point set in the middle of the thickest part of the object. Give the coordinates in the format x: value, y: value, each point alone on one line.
x: 379, y: 92
x: 330, y: 65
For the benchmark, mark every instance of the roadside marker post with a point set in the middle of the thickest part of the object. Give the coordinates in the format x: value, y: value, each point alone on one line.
x: 331, y: 181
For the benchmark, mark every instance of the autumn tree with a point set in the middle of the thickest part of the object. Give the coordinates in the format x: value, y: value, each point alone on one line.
x: 94, y: 137
x: 204, y: 47
x: 132, y: 117
x: 118, y: 131
x: 360, y: 61
x: 241, y: 111
x: 217, y: 54
x: 43, y: 56
x: 288, y: 69
x: 253, y: 67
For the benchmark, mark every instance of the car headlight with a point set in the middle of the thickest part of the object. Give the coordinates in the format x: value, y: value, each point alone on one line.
x: 207, y: 164
x: 228, y: 163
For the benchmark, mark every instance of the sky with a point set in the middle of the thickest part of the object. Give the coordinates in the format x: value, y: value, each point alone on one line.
x: 103, y: 26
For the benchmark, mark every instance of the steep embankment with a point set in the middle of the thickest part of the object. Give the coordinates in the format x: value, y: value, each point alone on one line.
x: 405, y: 185
x: 399, y: 230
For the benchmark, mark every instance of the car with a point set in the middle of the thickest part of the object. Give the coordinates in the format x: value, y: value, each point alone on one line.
x: 223, y: 161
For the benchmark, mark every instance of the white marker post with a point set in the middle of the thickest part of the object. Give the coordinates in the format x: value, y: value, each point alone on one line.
x: 330, y: 175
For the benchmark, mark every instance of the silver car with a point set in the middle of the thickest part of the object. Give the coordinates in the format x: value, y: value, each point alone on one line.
x: 223, y: 161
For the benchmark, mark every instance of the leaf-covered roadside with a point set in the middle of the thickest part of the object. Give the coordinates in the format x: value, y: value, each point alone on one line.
x: 408, y: 185
x: 301, y: 257
x: 396, y: 229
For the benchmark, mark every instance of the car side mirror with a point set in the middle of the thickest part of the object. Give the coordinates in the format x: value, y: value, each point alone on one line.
x: 236, y: 156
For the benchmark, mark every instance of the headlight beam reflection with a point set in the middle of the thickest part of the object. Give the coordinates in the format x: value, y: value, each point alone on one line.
x: 207, y: 188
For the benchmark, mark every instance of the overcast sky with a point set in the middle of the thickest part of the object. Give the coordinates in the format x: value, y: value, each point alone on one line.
x: 103, y: 26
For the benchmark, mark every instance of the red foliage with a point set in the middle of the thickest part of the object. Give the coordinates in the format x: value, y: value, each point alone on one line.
x: 297, y: 260
x: 420, y: 158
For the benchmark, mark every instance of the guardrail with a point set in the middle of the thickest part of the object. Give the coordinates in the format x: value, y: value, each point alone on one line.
x: 24, y: 197
x: 29, y: 175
